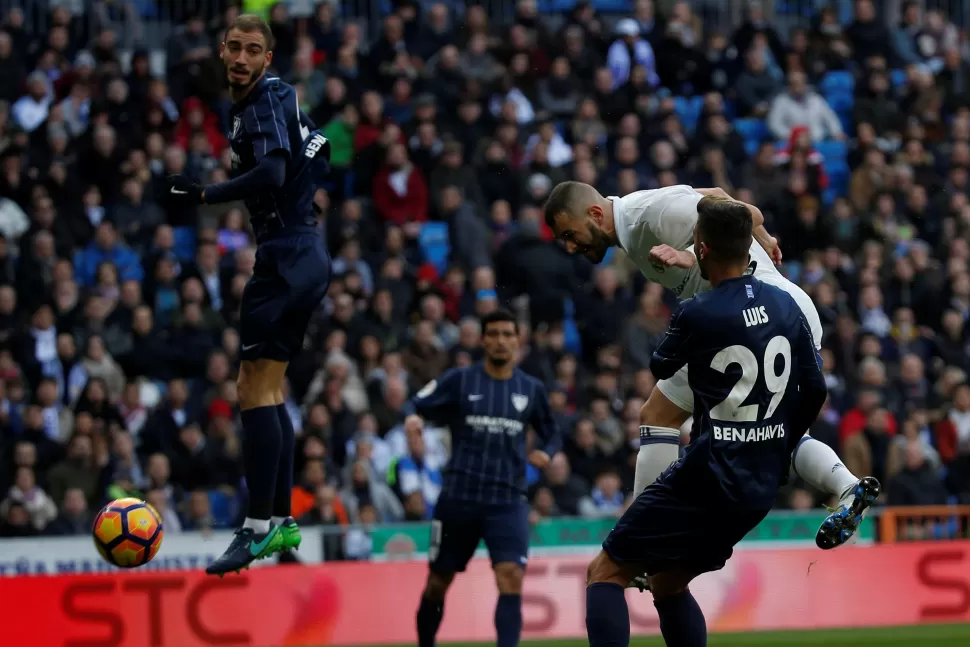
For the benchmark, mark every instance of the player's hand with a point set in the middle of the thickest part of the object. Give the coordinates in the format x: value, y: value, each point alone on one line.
x: 414, y: 422
x: 539, y: 458
x: 182, y: 189
x: 775, y: 251
x: 672, y: 257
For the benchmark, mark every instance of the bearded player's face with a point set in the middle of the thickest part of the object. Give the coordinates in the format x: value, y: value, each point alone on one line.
x: 582, y: 236
x: 245, y: 56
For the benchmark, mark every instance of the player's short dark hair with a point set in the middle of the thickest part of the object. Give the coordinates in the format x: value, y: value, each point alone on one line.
x: 724, y: 225
x: 498, y: 316
x: 248, y: 23
x: 564, y: 199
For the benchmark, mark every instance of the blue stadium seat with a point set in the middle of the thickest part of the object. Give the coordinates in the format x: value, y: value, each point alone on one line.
x: 571, y: 340
x: 689, y: 111
x: 184, y: 243
x: 898, y: 78
x: 837, y: 82
x: 833, y: 150
x: 434, y: 242
x: 751, y: 130
x: 221, y: 507
x: 841, y: 102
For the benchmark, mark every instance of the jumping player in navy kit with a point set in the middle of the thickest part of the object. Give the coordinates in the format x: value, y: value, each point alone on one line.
x: 488, y: 407
x: 757, y: 386
x: 278, y: 159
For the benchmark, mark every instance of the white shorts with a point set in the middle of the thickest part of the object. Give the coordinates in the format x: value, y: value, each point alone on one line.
x: 677, y: 388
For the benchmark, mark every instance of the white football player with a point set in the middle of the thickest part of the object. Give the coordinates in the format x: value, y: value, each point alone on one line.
x: 656, y: 230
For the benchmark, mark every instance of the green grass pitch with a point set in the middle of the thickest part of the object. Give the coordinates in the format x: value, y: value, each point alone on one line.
x: 951, y: 635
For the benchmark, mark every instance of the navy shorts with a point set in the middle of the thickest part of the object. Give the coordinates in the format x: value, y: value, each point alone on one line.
x: 662, y: 530
x: 458, y: 527
x: 289, y: 281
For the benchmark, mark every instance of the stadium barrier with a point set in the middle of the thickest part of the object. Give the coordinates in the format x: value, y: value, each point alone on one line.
x: 923, y: 523
x: 192, y: 550
x: 373, y: 604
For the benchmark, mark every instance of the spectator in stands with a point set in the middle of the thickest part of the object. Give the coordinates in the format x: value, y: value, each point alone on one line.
x: 629, y: 50
x: 918, y: 482
x: 364, y: 490
x: 800, y: 106
x: 606, y: 498
x: 74, y: 518
x: 756, y: 86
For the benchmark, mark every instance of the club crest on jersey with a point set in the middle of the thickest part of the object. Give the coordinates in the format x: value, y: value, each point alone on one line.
x: 236, y: 125
x: 520, y: 402
x: 658, y: 267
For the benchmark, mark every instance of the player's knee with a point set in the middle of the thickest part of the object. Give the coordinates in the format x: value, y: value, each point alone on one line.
x: 603, y: 569
x: 508, y: 577
x: 437, y: 585
x: 669, y: 583
x: 658, y: 411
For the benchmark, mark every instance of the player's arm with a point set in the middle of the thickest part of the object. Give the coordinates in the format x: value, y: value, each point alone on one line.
x: 811, y: 383
x: 758, y: 230
x: 547, y: 431
x: 672, y: 353
x: 265, y: 124
x: 437, y: 399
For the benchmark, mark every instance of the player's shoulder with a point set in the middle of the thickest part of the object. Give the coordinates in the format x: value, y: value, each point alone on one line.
x: 530, y: 381
x: 778, y: 297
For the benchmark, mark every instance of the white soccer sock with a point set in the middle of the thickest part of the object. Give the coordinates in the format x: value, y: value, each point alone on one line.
x: 259, y: 526
x: 820, y: 467
x: 278, y: 521
x: 659, y: 447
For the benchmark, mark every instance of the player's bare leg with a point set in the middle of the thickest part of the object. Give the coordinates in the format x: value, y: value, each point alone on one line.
x: 432, y: 607
x: 508, y: 610
x: 819, y: 466
x: 260, y: 392
x: 607, y: 614
x: 681, y: 619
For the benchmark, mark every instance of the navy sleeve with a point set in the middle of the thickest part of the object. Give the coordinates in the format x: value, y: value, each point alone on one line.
x: 268, y: 174
x: 437, y: 399
x: 672, y: 352
x: 811, y: 383
x: 265, y: 123
x: 550, y: 440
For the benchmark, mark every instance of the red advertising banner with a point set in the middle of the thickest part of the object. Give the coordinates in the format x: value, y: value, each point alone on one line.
x: 361, y: 603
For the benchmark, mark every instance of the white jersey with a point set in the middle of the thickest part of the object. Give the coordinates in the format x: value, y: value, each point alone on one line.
x: 645, y: 219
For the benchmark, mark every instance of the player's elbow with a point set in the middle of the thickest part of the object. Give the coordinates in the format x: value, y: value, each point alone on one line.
x: 662, y: 368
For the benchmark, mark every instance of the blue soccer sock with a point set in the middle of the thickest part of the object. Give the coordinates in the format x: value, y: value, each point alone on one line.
x: 508, y: 619
x: 261, y: 457
x: 682, y: 621
x: 284, y: 474
x: 429, y: 619
x: 607, y: 616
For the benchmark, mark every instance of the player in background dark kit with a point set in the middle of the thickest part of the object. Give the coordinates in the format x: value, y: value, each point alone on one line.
x: 488, y: 407
x: 277, y: 162
x: 757, y: 385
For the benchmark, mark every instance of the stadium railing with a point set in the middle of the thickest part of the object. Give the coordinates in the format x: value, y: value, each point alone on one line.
x: 924, y: 523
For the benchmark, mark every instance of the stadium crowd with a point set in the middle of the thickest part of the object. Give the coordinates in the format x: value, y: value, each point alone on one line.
x: 118, y: 313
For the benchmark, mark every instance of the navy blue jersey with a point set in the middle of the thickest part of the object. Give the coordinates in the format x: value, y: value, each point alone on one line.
x: 488, y: 419
x: 268, y: 121
x: 755, y: 375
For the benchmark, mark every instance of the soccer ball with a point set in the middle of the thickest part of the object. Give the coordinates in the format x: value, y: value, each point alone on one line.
x: 127, y: 532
